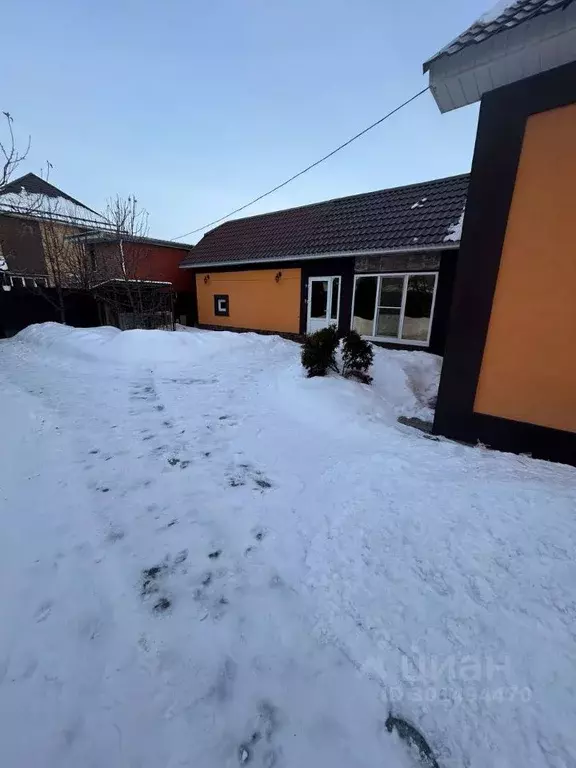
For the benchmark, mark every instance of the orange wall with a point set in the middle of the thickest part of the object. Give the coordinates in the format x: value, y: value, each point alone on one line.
x: 256, y: 300
x: 529, y: 366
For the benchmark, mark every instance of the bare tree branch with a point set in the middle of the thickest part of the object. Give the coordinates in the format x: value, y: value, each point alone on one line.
x: 69, y: 263
x: 10, y: 156
x: 127, y: 283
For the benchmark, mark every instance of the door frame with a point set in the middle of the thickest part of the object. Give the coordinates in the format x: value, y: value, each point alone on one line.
x: 330, y: 279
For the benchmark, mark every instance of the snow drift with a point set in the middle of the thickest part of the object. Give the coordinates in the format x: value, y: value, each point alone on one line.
x: 405, y: 383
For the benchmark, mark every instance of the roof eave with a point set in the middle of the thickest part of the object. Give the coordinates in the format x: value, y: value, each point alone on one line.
x: 447, y: 246
x: 536, y: 46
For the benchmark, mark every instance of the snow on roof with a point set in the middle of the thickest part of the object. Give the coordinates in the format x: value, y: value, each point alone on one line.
x: 455, y: 230
x: 31, y: 195
x: 495, y: 12
x: 45, y: 206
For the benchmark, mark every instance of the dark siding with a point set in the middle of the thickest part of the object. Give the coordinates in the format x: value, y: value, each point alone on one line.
x: 185, y: 304
x: 401, y: 262
x: 22, y: 246
x: 501, y: 127
x: 444, y: 292
x: 329, y: 268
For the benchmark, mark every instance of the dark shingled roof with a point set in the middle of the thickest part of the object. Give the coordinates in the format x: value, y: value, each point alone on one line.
x: 417, y: 216
x: 512, y: 15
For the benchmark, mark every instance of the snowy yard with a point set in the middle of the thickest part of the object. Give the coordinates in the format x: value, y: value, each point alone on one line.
x: 208, y: 560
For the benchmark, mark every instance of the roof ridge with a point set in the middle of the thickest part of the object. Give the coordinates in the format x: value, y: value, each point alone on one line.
x: 338, y: 199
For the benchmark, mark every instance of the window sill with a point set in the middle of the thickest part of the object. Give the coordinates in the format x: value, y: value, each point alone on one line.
x: 402, y: 342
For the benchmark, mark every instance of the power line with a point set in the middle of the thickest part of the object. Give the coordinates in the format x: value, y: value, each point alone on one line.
x: 305, y: 170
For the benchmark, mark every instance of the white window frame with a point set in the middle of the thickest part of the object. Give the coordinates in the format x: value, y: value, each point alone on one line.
x: 395, y: 339
x: 19, y: 281
x: 330, y: 279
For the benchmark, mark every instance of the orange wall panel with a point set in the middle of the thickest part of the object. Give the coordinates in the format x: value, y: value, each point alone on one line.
x: 256, y: 299
x: 529, y: 365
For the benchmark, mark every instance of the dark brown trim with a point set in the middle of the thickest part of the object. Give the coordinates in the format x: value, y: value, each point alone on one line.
x: 519, y: 437
x: 503, y: 116
x: 443, y: 303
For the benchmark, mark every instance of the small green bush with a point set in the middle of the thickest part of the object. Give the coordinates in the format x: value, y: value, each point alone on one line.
x: 319, y: 351
x: 357, y: 357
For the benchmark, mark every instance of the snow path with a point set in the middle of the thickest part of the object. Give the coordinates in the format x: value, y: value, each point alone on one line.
x: 356, y: 566
x: 231, y: 673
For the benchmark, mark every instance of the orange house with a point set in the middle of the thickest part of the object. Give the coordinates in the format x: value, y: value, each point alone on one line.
x: 509, y: 375
x: 382, y: 263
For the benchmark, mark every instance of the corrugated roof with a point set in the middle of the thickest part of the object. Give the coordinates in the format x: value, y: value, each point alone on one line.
x: 416, y: 216
x: 504, y: 16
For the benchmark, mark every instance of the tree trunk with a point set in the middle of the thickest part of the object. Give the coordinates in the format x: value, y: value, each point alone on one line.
x: 61, y: 306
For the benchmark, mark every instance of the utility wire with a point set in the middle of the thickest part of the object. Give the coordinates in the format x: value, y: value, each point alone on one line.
x: 305, y: 170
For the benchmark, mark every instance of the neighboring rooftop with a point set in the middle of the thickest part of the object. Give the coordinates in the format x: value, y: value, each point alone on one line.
x: 513, y: 41
x: 30, y: 195
x: 418, y: 216
x: 103, y: 236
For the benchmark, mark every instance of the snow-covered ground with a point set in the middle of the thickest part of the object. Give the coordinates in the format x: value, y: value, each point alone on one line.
x: 208, y: 560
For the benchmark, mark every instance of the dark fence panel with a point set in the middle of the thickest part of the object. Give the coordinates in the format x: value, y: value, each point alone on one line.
x: 21, y: 307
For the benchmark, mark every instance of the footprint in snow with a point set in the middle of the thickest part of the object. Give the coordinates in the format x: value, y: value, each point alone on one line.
x: 115, y: 534
x: 152, y: 581
x: 43, y: 612
x: 262, y: 737
x: 259, y: 535
x: 245, y: 472
x: 164, y: 604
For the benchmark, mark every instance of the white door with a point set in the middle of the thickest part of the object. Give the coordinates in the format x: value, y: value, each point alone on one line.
x: 323, y: 302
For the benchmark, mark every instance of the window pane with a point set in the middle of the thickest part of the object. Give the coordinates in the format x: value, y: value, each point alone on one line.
x: 319, y: 298
x: 391, y: 292
x: 364, y: 305
x: 335, y: 296
x: 418, y: 307
x: 388, y: 322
